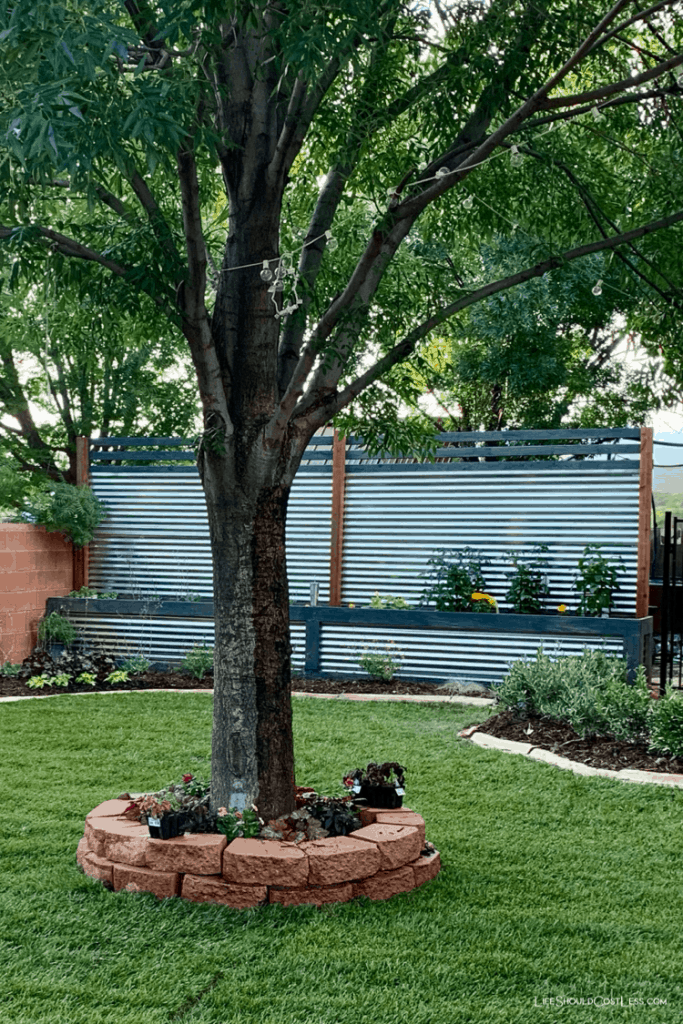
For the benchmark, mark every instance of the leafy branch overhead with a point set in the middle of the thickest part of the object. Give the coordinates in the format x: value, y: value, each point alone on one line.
x: 130, y: 146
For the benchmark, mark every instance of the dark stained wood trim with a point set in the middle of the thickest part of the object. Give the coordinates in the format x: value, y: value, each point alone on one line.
x: 644, y: 519
x: 81, y: 556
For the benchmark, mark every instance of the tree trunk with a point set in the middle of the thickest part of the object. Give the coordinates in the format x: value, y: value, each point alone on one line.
x: 252, y: 750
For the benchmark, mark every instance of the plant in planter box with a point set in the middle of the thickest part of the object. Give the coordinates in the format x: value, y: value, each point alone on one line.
x: 528, y: 583
x: 337, y: 815
x: 596, y: 581
x: 379, y: 785
x: 388, y: 601
x: 454, y: 576
x: 484, y: 603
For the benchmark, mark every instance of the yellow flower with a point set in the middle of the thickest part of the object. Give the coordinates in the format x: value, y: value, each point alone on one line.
x: 561, y: 608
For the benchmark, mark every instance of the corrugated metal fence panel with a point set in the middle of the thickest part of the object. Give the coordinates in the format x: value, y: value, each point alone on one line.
x: 439, y: 655
x: 163, y: 639
x: 394, y: 522
x: 156, y: 536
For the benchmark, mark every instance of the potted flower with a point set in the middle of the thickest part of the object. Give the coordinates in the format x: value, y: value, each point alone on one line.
x: 56, y: 632
x: 380, y: 785
x: 165, y: 816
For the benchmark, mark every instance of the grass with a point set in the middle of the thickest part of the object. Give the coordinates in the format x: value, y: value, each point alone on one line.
x: 554, y: 886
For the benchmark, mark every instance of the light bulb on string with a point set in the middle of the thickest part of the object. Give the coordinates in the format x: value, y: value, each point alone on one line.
x: 266, y: 273
x: 679, y: 77
x: 597, y: 287
x: 332, y: 242
x: 597, y: 114
x: 468, y: 203
x: 516, y: 158
x: 442, y: 172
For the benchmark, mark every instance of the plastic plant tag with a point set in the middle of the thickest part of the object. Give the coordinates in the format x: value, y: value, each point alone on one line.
x: 399, y: 791
x: 154, y: 822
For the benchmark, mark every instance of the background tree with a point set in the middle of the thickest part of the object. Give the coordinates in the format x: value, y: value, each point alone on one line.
x: 548, y: 353
x: 76, y: 362
x: 372, y: 121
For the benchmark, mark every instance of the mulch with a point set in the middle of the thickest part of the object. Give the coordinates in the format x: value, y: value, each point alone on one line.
x: 15, y: 686
x: 560, y: 738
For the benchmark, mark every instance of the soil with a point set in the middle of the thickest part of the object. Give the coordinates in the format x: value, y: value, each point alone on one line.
x: 560, y: 738
x: 40, y: 662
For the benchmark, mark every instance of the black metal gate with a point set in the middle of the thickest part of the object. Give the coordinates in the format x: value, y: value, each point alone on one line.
x: 671, y: 607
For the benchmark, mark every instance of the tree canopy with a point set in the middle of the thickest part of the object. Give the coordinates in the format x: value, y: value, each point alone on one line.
x: 302, y: 189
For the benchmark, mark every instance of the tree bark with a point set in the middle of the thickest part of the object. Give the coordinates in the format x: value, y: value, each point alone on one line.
x: 252, y: 750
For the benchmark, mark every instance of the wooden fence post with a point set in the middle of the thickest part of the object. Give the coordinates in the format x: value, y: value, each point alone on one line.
x: 337, y: 532
x: 81, y: 556
x: 644, y: 518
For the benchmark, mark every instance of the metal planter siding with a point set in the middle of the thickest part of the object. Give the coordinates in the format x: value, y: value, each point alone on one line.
x: 435, y: 646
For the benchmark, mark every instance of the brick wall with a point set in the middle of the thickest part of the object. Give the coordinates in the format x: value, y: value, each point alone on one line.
x: 34, y: 565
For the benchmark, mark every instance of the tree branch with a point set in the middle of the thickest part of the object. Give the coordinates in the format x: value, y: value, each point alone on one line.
x: 68, y: 247
x: 336, y: 402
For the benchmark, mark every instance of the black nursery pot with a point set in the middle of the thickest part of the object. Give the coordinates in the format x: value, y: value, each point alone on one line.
x: 381, y: 796
x: 169, y: 827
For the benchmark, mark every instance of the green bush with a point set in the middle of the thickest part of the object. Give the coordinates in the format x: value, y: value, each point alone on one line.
x: 590, y: 692
x: 54, y: 628
x: 74, y: 511
x: 666, y: 726
x: 197, y: 661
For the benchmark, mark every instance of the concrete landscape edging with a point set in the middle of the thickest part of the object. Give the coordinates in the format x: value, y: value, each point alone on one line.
x: 379, y: 860
x: 482, y: 739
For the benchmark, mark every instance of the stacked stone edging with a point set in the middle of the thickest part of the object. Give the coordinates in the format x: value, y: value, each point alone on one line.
x: 378, y: 861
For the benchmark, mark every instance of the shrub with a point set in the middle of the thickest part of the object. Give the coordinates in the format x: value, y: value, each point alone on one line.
x: 453, y: 577
x: 74, y: 511
x: 666, y: 726
x: 10, y: 669
x: 590, y: 692
x: 83, y: 592
x: 54, y: 628
x: 596, y: 581
x: 528, y: 585
x: 381, y: 662
x: 197, y: 661
x: 138, y: 663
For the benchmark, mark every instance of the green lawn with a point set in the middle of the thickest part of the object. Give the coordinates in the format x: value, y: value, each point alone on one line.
x: 553, y: 885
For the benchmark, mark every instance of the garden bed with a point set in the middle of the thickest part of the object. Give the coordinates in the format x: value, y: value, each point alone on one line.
x: 560, y: 738
x: 153, y: 679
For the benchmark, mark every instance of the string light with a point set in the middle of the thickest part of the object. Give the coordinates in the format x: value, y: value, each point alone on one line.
x: 516, y: 158
x: 597, y: 114
x: 266, y: 273
x: 442, y: 172
x: 597, y: 287
x: 468, y: 202
x: 679, y: 77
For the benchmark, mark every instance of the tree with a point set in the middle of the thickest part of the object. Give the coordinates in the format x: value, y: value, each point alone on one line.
x: 356, y: 122
x: 548, y: 353
x: 91, y: 366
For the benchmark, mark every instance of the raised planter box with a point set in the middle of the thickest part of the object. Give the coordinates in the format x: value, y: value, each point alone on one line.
x: 100, y: 620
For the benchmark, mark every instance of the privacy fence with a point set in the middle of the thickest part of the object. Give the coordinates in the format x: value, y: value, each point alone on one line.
x: 359, y: 524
